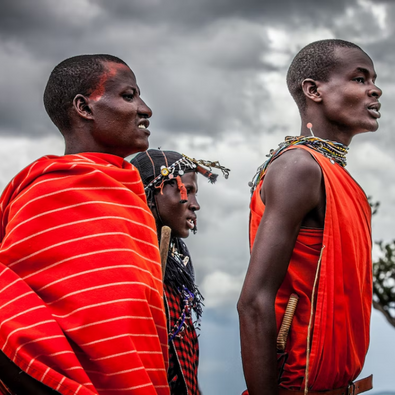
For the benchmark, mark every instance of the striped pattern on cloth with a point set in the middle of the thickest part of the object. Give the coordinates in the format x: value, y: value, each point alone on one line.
x: 81, y: 297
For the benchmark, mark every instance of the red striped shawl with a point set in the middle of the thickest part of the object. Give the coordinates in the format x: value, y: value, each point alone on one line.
x: 81, y: 299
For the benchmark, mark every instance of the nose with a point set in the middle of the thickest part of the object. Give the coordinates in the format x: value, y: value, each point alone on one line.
x: 193, y: 203
x: 375, y: 91
x: 143, y: 110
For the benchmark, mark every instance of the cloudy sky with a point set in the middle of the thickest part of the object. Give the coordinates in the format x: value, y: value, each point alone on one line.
x: 213, y: 72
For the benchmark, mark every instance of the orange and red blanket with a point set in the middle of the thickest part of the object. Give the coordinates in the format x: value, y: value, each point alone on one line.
x: 81, y: 299
x: 341, y: 319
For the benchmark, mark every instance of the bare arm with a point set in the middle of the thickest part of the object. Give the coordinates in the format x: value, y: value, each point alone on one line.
x: 291, y: 190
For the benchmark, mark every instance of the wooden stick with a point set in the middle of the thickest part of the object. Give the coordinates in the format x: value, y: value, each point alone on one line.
x: 3, y: 389
x: 287, y: 321
x: 164, y: 247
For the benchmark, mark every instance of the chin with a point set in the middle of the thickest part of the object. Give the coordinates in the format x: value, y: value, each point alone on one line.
x: 368, y: 128
x: 374, y: 125
x: 139, y: 148
x: 184, y: 234
x: 144, y: 146
x: 373, y: 129
x: 181, y: 234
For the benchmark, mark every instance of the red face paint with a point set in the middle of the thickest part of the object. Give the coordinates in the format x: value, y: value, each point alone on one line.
x: 119, y: 121
x: 111, y: 70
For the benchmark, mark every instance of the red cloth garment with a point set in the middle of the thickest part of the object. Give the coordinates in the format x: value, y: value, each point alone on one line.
x: 300, y: 279
x: 184, y: 349
x: 81, y: 297
x: 341, y: 320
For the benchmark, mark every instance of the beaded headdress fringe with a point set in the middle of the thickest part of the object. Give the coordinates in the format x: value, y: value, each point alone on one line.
x: 183, y: 165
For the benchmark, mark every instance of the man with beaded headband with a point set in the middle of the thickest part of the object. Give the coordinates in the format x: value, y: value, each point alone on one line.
x: 170, y: 181
x: 309, y: 281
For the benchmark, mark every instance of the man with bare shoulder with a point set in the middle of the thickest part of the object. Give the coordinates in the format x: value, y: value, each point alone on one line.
x: 81, y: 293
x: 306, y: 301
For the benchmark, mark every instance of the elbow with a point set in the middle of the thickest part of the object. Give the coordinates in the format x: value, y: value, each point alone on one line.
x: 252, y: 307
x: 242, y: 304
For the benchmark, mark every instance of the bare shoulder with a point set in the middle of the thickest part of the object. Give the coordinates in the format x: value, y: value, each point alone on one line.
x: 296, y: 162
x: 294, y: 173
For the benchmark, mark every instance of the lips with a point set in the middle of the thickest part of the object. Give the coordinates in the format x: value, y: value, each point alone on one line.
x: 143, y: 124
x: 374, y: 110
x: 191, y: 222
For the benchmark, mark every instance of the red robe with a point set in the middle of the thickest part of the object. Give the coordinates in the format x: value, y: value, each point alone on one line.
x: 341, y: 319
x: 81, y: 297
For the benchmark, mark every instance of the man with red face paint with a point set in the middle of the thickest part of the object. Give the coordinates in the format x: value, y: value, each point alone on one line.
x: 81, y: 293
x: 170, y: 181
x: 310, y: 236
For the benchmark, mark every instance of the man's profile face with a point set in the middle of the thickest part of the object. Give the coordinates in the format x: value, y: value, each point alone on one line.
x: 350, y: 97
x: 180, y: 217
x: 120, y: 116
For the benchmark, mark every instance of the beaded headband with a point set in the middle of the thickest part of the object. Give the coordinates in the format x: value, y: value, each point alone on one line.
x: 180, y: 167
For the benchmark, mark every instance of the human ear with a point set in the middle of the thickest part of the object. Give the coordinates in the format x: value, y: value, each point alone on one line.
x: 310, y: 90
x: 81, y: 106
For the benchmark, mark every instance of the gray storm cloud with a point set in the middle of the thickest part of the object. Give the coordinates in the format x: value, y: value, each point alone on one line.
x: 214, y: 74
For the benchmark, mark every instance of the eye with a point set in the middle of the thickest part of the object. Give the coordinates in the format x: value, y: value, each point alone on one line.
x: 191, y: 190
x: 360, y: 80
x: 128, y: 96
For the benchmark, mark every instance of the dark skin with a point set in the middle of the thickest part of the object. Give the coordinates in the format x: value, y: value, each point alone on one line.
x: 180, y: 217
x: 113, y: 119
x: 339, y: 109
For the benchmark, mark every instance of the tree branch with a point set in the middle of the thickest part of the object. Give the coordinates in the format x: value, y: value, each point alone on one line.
x: 387, y: 315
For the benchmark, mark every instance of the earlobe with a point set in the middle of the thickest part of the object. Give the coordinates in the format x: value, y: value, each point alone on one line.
x: 81, y: 106
x: 311, y: 90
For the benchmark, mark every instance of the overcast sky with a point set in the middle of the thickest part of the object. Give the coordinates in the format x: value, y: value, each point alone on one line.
x: 213, y: 72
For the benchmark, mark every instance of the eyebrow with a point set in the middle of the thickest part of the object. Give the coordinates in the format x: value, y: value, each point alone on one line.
x: 366, y: 71
x: 134, y: 89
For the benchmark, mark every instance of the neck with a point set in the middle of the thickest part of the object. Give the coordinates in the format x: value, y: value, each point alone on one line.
x: 77, y: 146
x: 74, y: 141
x: 325, y: 130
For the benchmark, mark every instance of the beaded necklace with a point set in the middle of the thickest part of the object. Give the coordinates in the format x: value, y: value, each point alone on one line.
x: 180, y: 325
x: 190, y: 300
x: 335, y: 151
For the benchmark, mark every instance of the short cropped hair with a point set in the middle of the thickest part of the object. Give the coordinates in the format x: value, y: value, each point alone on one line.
x: 315, y: 61
x: 76, y: 75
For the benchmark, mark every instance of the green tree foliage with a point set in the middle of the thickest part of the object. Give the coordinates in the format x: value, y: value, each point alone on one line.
x: 384, y: 276
x: 384, y: 281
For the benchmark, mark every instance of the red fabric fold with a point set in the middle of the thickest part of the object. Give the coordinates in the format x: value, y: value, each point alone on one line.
x: 81, y: 299
x: 340, y: 335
